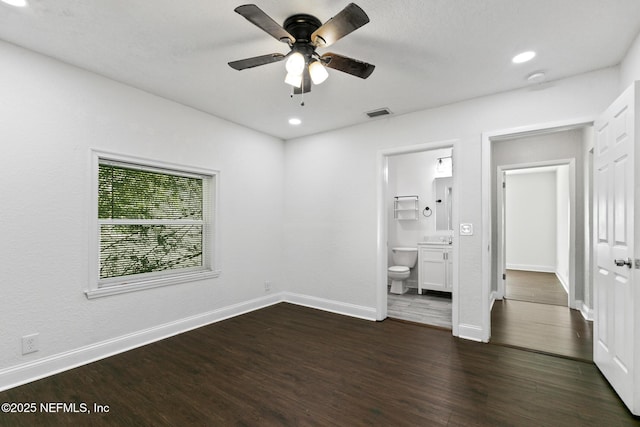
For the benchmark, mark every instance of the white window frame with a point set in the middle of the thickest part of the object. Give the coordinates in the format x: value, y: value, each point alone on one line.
x: 118, y: 285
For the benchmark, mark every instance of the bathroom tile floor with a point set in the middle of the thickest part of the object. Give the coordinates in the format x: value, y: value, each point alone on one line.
x: 432, y: 308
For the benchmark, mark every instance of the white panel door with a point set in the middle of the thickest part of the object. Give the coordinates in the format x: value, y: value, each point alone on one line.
x: 615, y: 300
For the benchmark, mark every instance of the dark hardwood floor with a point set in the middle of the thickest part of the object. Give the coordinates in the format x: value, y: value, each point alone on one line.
x: 287, y: 365
x: 542, y: 327
x: 534, y: 316
x: 533, y: 286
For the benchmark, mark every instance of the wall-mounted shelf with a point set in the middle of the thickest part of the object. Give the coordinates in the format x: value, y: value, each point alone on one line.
x: 406, y: 207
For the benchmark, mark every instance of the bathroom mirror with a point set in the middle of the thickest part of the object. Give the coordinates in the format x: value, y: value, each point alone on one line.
x: 443, y: 191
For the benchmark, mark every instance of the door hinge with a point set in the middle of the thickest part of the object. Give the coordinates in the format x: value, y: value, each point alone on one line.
x: 636, y: 263
x: 504, y: 184
x: 504, y: 276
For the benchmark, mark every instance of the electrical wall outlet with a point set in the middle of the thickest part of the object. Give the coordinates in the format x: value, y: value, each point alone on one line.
x: 30, y: 343
x: 267, y: 285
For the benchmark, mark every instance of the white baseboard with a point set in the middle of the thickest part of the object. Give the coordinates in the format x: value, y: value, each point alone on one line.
x: 492, y: 299
x: 472, y: 332
x: 586, y: 311
x: 411, y: 283
x: 359, y: 311
x: 47, y: 366
x: 563, y: 281
x: 530, y: 267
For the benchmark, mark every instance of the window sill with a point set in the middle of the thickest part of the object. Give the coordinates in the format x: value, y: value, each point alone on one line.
x: 150, y: 283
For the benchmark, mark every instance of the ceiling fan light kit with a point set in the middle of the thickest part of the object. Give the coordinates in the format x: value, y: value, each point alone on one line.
x: 304, y: 34
x: 294, y: 80
x: 295, y: 63
x: 317, y: 71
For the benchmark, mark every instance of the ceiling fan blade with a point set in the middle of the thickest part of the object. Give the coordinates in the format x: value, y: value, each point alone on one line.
x: 256, y: 61
x: 257, y: 17
x: 349, y: 19
x: 347, y: 65
x: 306, y: 83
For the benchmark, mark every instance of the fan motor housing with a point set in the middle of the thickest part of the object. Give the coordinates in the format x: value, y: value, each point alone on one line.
x: 301, y: 26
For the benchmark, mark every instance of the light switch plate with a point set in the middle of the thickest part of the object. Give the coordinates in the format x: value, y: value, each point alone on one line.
x: 466, y: 229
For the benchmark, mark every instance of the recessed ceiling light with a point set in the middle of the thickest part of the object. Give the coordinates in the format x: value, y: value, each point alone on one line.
x: 295, y: 121
x: 16, y: 3
x: 523, y: 57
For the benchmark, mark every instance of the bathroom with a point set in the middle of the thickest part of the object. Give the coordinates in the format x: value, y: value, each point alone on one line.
x: 419, y: 230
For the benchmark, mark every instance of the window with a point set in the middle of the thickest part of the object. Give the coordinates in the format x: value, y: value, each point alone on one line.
x: 153, y: 225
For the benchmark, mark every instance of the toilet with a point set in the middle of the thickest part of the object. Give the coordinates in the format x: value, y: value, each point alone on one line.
x: 404, y: 260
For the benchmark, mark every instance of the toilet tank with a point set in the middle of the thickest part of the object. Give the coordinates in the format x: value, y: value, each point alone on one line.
x: 405, y: 256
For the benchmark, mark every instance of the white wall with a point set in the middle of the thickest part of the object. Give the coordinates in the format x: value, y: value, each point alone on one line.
x: 325, y: 228
x: 530, y: 221
x: 52, y: 115
x: 413, y: 174
x: 330, y: 186
x: 630, y: 66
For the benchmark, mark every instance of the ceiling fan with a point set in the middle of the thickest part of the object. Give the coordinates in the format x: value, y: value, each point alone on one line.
x: 304, y: 33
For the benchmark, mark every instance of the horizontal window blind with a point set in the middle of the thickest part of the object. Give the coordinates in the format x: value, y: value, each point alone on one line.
x: 130, y: 193
x: 149, y: 220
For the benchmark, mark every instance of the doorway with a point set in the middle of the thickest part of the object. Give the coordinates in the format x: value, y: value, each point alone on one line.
x: 412, y: 232
x: 535, y: 324
x: 536, y: 225
x: 419, y: 210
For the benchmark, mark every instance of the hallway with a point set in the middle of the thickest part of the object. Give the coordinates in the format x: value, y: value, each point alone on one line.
x: 532, y: 317
x: 533, y: 286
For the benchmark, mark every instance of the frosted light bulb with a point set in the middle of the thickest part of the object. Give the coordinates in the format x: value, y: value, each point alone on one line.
x: 293, y: 79
x: 318, y: 72
x: 295, y: 63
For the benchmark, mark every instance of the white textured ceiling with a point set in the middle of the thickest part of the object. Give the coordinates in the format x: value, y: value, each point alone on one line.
x: 427, y: 52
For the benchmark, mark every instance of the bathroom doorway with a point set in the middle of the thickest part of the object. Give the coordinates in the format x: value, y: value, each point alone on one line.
x: 417, y: 204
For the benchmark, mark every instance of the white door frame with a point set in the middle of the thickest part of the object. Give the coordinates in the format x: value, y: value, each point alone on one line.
x: 382, y: 250
x: 487, y: 138
x: 502, y: 261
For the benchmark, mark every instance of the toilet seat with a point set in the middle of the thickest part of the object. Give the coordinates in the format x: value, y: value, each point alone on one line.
x: 399, y: 269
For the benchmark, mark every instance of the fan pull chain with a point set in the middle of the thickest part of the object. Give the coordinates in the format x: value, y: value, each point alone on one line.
x: 302, y: 94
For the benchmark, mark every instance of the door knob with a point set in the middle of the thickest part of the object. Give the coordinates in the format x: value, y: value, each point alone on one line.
x: 623, y: 262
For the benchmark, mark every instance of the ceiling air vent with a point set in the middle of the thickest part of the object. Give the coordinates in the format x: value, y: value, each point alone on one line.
x: 378, y: 113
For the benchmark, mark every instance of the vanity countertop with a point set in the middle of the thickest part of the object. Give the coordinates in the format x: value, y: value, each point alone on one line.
x: 434, y: 243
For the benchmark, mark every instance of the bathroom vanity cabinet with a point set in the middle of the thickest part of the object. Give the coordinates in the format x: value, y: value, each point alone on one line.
x: 435, y: 267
